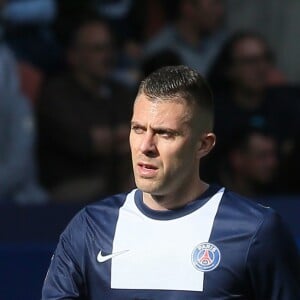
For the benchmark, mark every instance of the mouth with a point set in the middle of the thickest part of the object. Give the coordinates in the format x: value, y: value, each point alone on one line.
x: 147, y: 170
x: 147, y: 166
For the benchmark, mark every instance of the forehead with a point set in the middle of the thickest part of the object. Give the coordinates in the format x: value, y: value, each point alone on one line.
x: 249, y: 45
x: 258, y: 141
x: 161, y: 112
x: 93, y: 32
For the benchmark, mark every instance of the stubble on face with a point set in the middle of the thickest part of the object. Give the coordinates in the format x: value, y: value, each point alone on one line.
x: 173, y: 157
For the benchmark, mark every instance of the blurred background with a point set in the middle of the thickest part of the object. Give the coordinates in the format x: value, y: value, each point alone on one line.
x: 69, y: 72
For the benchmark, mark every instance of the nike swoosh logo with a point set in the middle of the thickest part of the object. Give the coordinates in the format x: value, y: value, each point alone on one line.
x: 102, y: 258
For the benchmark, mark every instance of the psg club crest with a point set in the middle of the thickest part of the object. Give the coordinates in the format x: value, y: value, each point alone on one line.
x: 206, y: 257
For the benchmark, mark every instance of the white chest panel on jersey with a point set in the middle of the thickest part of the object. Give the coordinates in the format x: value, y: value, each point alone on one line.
x: 159, y: 252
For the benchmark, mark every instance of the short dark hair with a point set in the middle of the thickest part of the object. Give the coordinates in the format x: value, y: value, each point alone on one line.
x: 181, y: 82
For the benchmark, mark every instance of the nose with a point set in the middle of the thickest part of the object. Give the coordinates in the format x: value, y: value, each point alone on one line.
x: 148, y: 144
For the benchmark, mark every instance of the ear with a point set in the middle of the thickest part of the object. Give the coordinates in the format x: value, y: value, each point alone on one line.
x: 205, y: 144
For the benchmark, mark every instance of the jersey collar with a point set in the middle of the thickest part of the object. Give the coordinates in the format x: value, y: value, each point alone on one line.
x: 175, y: 213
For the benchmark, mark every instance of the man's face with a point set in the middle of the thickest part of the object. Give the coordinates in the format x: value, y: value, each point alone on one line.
x: 163, y: 146
x: 251, y: 64
x: 92, y: 54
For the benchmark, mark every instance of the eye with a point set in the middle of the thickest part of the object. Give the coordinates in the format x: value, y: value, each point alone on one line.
x: 167, y: 134
x: 137, y: 129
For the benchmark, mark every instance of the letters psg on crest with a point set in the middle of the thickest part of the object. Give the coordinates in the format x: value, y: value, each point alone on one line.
x: 206, y: 257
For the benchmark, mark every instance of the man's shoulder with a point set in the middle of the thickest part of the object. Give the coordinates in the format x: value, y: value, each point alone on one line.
x: 105, y: 205
x: 99, y: 215
x: 246, y: 210
x: 247, y: 221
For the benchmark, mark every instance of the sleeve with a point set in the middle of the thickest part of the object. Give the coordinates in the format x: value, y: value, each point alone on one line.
x: 65, y: 277
x: 273, y: 262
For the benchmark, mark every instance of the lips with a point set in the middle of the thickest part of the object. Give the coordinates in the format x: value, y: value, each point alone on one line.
x: 147, y: 166
x: 147, y: 170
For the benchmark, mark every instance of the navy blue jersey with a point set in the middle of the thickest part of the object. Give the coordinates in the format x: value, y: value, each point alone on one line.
x: 220, y: 246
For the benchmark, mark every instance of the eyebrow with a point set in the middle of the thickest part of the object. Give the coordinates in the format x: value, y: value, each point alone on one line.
x: 159, y: 129
x: 170, y: 131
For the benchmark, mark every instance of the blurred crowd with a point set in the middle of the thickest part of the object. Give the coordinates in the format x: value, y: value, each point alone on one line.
x: 69, y: 72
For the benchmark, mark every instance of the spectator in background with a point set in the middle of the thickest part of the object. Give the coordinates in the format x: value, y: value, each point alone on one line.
x: 83, y: 119
x: 250, y: 164
x: 18, y: 183
x: 131, y: 22
x: 240, y: 79
x: 195, y: 35
x: 247, y: 54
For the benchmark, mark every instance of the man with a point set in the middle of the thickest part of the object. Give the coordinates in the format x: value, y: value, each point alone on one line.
x: 196, y: 34
x: 241, y: 78
x: 82, y: 137
x: 175, y: 236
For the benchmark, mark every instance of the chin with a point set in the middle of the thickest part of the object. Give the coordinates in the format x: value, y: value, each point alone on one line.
x: 147, y: 187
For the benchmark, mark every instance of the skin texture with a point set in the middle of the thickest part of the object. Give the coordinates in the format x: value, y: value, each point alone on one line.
x: 166, y: 150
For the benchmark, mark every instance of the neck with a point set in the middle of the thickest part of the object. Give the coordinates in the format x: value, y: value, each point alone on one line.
x: 189, y: 32
x: 248, y: 99
x: 176, y: 199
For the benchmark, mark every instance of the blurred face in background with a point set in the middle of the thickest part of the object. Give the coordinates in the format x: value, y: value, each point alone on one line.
x: 92, y: 51
x: 207, y: 15
x: 251, y: 63
x: 258, y: 162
